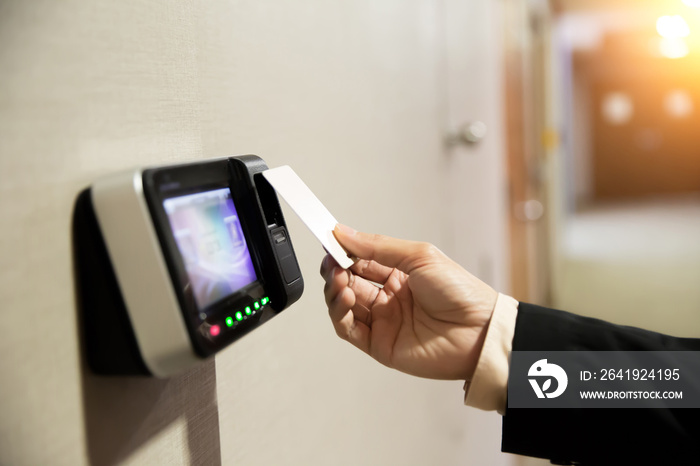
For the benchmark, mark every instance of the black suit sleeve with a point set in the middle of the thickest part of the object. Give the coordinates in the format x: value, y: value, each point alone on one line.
x: 598, y: 436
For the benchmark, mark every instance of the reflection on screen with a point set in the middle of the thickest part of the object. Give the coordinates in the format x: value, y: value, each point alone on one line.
x: 212, y: 245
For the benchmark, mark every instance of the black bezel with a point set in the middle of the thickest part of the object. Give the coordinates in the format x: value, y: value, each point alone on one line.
x: 164, y: 183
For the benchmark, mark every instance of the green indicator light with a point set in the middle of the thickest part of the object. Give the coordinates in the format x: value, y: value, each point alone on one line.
x: 229, y: 321
x: 256, y: 305
x: 247, y: 310
x: 239, y: 316
x: 265, y: 300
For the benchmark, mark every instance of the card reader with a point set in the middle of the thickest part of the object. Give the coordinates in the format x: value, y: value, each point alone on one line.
x: 174, y: 263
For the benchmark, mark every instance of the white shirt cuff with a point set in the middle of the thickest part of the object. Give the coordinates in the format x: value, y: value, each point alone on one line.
x: 488, y: 388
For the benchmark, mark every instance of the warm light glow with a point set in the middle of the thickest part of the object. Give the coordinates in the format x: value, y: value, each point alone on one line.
x: 617, y: 108
x: 693, y: 3
x: 678, y: 104
x: 672, y: 27
x: 673, y: 48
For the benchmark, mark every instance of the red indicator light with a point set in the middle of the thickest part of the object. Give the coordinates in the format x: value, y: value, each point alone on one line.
x: 214, y: 330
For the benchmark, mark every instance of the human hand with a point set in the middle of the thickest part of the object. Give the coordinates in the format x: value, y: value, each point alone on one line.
x: 428, y: 319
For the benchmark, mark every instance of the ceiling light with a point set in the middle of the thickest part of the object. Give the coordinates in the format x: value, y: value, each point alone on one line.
x: 673, y: 48
x: 672, y: 27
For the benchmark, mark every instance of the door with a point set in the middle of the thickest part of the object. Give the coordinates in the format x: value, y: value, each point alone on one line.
x: 475, y: 151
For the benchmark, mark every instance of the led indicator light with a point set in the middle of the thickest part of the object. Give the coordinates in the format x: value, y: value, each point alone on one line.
x: 256, y: 305
x: 229, y: 321
x: 265, y: 300
x: 239, y: 316
x: 247, y: 310
x: 214, y: 330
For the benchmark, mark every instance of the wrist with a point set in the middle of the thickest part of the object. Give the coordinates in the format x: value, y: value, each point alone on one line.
x: 484, y: 316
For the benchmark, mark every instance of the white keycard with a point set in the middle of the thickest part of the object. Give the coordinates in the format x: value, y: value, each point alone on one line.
x: 309, y: 209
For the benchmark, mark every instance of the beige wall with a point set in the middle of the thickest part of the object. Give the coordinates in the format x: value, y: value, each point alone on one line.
x: 349, y: 94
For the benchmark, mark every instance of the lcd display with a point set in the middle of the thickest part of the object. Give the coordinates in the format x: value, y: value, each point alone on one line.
x: 213, y: 248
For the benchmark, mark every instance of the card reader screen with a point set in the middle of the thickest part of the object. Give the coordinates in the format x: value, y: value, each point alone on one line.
x: 213, y: 248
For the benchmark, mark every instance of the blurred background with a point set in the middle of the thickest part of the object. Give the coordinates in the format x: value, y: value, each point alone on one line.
x: 550, y: 147
x: 606, y: 175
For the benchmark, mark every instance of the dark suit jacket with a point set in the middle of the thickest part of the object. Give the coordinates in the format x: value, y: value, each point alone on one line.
x: 598, y: 436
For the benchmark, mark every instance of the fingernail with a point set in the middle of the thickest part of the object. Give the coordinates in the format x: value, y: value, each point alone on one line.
x: 344, y: 229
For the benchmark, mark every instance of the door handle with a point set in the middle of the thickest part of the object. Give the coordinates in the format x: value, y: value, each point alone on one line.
x: 468, y: 134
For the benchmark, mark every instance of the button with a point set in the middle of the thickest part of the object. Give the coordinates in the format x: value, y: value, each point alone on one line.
x: 279, y: 237
x: 283, y: 250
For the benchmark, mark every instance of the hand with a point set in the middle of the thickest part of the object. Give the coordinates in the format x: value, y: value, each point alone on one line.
x: 428, y: 318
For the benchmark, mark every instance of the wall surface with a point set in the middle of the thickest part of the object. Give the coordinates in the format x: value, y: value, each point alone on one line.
x: 349, y: 94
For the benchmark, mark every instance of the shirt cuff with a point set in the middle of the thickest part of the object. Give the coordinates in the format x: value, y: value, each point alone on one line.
x: 488, y: 388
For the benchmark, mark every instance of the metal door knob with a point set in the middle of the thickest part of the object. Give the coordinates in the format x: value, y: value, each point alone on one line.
x: 470, y: 133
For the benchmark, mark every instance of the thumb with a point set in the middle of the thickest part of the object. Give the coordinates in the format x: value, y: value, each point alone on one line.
x: 392, y: 252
